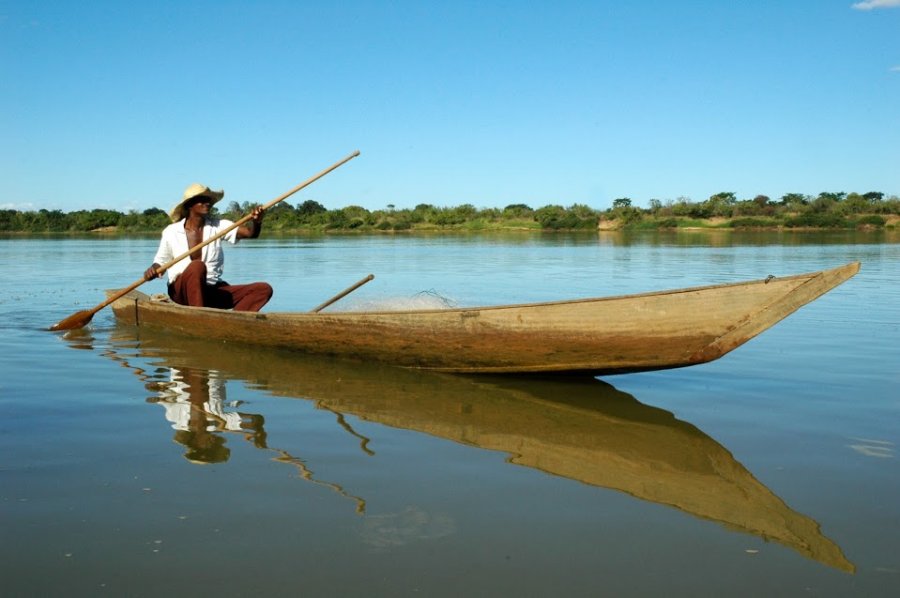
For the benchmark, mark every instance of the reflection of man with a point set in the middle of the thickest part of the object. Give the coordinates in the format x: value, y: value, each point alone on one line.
x: 194, y: 401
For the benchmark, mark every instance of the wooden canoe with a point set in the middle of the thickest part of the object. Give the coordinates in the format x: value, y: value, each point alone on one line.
x: 576, y: 428
x: 649, y: 331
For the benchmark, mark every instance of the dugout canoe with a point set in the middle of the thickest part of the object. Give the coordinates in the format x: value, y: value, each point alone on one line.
x: 610, y: 335
x: 577, y: 428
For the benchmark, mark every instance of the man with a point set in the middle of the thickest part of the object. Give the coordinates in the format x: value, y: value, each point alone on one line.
x: 196, y: 280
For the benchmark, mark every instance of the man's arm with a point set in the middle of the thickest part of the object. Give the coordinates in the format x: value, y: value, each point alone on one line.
x: 163, y: 255
x: 254, y: 225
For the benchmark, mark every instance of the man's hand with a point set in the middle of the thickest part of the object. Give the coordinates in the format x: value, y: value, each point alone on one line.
x: 152, y: 272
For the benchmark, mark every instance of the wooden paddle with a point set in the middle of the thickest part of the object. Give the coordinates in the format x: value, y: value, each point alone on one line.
x: 82, y: 318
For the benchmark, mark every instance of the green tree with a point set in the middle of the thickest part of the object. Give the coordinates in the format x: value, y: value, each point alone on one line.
x: 825, y: 202
x: 358, y: 216
x: 721, y: 204
x: 762, y: 201
x: 233, y: 212
x: 854, y: 204
x: 87, y: 220
x: 8, y: 220
x: 281, y: 216
x: 310, y: 207
x: 55, y: 220
x: 517, y: 210
x: 683, y: 206
x: 550, y: 216
x: 794, y: 200
x: 583, y: 211
x: 452, y: 216
x: 874, y: 196
x: 624, y: 211
x: 833, y: 197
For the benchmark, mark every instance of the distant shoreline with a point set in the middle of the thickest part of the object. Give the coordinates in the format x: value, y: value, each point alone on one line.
x: 834, y: 211
x: 712, y: 225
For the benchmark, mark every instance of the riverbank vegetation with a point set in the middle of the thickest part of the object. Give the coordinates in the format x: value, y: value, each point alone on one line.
x: 723, y: 210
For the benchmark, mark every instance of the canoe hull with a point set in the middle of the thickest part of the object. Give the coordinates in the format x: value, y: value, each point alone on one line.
x: 630, y: 333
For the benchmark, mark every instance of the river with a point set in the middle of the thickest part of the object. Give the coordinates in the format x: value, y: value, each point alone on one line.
x: 137, y: 463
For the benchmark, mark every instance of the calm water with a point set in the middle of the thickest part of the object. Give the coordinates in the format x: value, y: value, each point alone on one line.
x: 139, y: 464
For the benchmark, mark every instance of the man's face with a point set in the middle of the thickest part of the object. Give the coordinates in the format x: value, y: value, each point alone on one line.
x: 199, y: 206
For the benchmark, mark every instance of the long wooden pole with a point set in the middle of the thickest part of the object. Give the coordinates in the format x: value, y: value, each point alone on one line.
x: 81, y: 318
x: 343, y: 293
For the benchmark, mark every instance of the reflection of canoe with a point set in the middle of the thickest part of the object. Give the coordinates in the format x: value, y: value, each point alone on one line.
x: 617, y: 334
x: 581, y: 429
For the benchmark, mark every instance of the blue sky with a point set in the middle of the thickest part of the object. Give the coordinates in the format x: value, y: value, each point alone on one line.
x: 122, y: 105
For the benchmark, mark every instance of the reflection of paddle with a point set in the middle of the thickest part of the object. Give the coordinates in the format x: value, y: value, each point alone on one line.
x: 82, y: 318
x: 285, y: 457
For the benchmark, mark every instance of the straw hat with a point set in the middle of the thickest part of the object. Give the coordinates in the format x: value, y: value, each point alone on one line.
x: 193, y: 190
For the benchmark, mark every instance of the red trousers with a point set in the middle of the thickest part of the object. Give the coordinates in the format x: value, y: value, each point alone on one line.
x: 190, y: 288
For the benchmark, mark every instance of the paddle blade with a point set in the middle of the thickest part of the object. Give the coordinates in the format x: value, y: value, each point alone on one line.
x: 76, y: 320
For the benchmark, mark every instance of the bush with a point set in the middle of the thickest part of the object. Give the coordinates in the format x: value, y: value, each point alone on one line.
x: 310, y: 207
x: 555, y: 217
x: 628, y: 215
x: 817, y: 220
x: 517, y: 210
x: 667, y: 223
x: 871, y: 220
x: 751, y: 223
